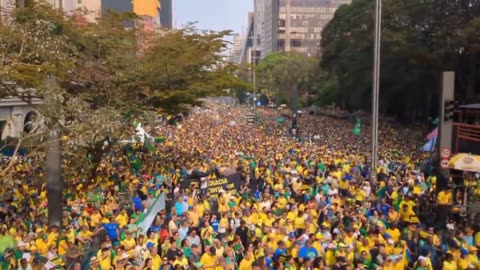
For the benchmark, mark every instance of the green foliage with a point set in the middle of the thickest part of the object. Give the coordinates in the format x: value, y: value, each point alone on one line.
x: 327, y: 91
x: 91, y: 75
x: 420, y: 39
x: 278, y: 73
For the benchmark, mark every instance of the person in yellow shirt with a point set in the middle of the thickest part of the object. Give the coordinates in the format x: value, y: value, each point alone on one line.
x: 299, y: 223
x: 406, y: 213
x: 104, y: 255
x: 472, y: 257
x: 42, y: 245
x: 129, y: 243
x: 122, y: 218
x: 84, y: 236
x: 449, y: 262
x: 444, y: 197
x: 247, y: 262
x: 209, y: 259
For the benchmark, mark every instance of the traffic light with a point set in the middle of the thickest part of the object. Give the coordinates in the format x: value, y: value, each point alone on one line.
x: 449, y: 109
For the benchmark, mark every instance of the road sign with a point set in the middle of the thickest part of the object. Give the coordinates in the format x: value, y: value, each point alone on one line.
x: 445, y: 153
x: 444, y: 163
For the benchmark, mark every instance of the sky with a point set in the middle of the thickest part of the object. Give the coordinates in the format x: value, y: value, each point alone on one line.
x: 213, y: 14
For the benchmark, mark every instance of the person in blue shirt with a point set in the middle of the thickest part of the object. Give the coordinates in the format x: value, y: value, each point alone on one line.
x: 281, y: 250
x: 179, y: 207
x: 112, y: 230
x: 307, y: 252
x: 383, y: 207
x: 138, y: 204
x: 214, y: 223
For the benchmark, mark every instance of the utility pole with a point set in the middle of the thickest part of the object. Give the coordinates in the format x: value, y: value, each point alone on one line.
x: 55, y: 182
x: 294, y: 106
x: 376, y: 85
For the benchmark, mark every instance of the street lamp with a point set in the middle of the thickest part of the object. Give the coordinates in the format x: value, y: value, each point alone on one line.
x: 376, y: 84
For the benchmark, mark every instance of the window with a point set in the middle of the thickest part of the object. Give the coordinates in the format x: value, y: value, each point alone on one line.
x: 281, y: 23
x: 296, y: 43
x: 79, y: 1
x: 281, y: 44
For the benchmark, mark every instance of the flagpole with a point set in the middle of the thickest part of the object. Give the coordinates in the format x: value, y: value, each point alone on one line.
x: 376, y: 85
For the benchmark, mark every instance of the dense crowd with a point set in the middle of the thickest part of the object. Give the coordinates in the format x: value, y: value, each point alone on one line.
x: 302, y: 204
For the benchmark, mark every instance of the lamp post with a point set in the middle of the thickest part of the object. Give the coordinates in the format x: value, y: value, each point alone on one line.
x: 376, y: 84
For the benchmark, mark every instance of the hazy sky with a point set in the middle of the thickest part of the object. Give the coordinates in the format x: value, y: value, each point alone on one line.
x: 213, y: 14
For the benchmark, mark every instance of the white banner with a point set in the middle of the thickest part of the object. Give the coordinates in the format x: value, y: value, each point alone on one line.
x: 152, y: 212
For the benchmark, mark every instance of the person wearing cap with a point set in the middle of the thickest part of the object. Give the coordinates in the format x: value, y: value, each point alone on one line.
x: 180, y: 260
x: 42, y: 245
x: 94, y: 264
x: 472, y: 257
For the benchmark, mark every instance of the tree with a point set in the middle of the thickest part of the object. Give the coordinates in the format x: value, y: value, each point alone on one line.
x: 179, y: 68
x: 420, y: 39
x: 91, y: 76
x: 278, y: 73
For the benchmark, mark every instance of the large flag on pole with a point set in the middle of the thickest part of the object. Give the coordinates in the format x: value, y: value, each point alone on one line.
x: 358, y: 128
x: 430, y: 145
x: 432, y: 134
x: 152, y: 212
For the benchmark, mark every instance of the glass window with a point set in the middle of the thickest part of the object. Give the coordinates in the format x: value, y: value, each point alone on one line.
x: 296, y: 43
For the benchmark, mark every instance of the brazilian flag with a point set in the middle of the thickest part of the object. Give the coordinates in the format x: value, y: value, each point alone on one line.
x: 135, y: 162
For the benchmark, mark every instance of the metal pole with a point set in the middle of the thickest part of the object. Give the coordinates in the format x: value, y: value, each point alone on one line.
x: 255, y: 78
x: 376, y: 84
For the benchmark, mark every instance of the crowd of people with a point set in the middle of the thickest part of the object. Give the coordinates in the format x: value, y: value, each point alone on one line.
x: 302, y: 204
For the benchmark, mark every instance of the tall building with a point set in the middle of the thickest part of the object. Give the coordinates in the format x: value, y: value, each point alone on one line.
x: 238, y: 42
x: 166, y: 14
x: 250, y: 52
x: 293, y: 25
x: 266, y: 16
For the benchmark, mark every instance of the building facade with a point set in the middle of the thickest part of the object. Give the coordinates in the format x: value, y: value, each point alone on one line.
x: 293, y: 25
x: 238, y: 42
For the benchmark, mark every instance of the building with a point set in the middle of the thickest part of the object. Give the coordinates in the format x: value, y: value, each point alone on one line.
x: 250, y: 52
x: 166, y: 14
x: 292, y: 25
x: 16, y: 117
x: 238, y: 42
x: 266, y: 15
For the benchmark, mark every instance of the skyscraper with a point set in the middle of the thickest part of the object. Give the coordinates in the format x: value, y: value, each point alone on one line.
x: 293, y: 25
x: 166, y: 13
x: 238, y: 42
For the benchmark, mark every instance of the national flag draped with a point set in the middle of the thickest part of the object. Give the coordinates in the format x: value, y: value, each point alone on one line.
x: 358, y: 128
x: 430, y: 145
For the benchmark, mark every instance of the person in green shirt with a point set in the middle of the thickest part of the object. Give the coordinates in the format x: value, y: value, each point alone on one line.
x: 138, y: 216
